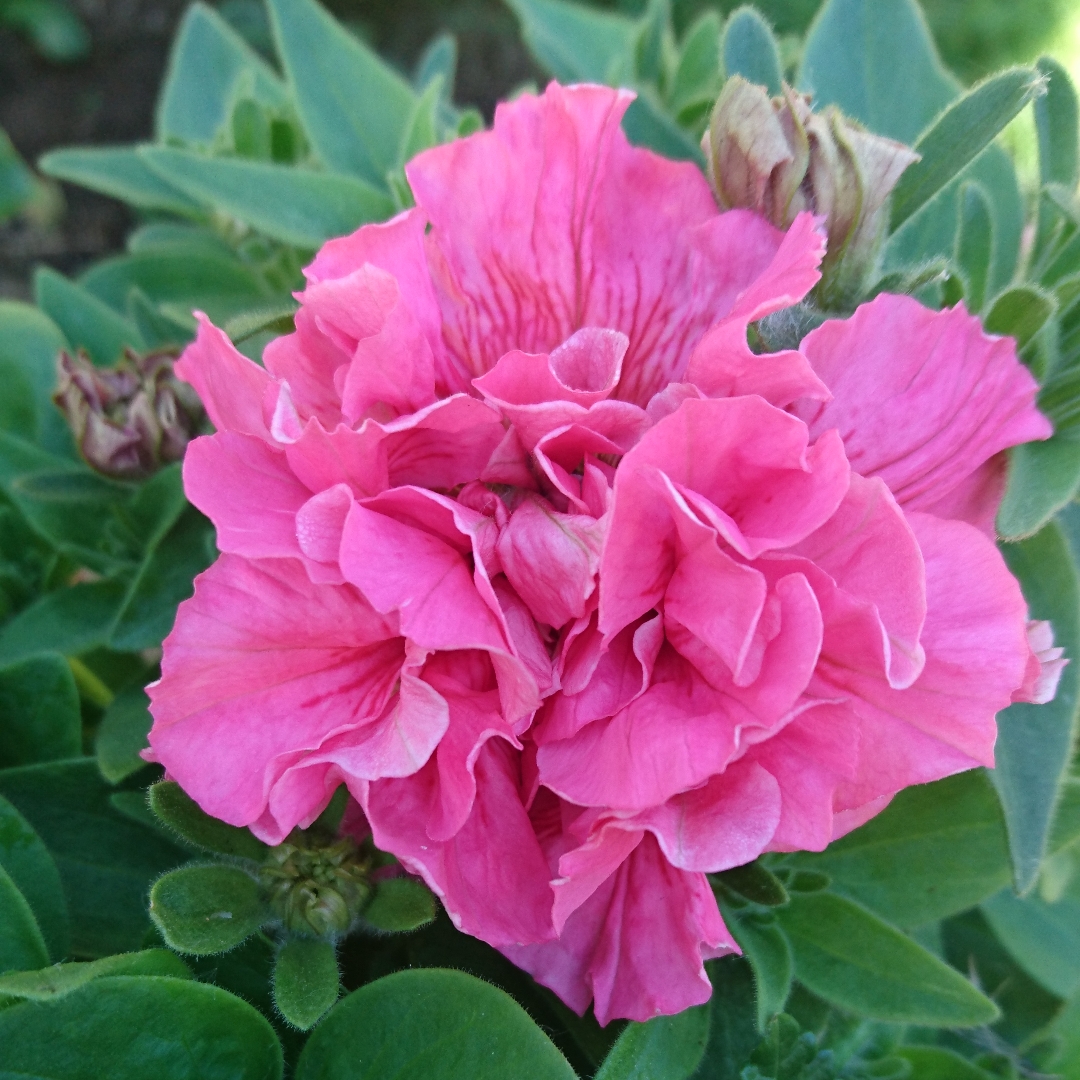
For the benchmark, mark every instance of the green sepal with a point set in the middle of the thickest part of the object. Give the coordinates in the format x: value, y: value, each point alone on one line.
x: 664, y: 1048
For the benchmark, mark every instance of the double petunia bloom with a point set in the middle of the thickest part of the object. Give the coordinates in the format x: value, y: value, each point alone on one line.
x: 580, y: 597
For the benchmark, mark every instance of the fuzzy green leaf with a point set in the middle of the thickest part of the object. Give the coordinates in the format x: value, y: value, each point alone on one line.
x: 122, y: 735
x: 765, y: 946
x: 430, y: 1023
x: 355, y: 108
x: 1057, y: 124
x: 206, y: 909
x: 1020, y: 312
x: 664, y: 1048
x: 1043, y: 477
x: 22, y: 947
x: 400, y: 904
x: 297, y: 206
x: 750, y: 50
x: 54, y: 982
x: 179, y: 811
x: 959, y: 135
x: 851, y: 958
x: 129, y: 1027
x: 207, y: 61
x: 306, y: 981
x: 39, y: 712
x: 1035, y: 741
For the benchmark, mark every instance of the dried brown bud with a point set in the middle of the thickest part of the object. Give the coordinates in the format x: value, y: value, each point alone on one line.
x: 130, y: 419
x: 778, y: 157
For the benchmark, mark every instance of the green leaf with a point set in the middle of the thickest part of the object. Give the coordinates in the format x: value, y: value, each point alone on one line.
x: 1057, y: 124
x: 698, y: 76
x: 400, y: 904
x: 975, y: 243
x: 206, y: 909
x: 1020, y: 312
x: 1066, y: 1057
x: 732, y: 1028
x: 27, y: 861
x: 936, y: 1063
x: 207, y: 60
x: 1035, y: 741
x: 56, y: 31
x: 750, y: 50
x: 165, y: 578
x: 84, y: 320
x: 438, y: 61
x: 1043, y: 477
x: 54, y: 982
x: 765, y: 946
x: 128, y: 1027
x: 278, y: 319
x: 577, y: 43
x: 755, y: 883
x: 179, y: 811
x: 936, y: 850
x: 218, y: 284
x: 851, y: 958
x: 106, y: 861
x: 354, y: 107
x: 39, y: 712
x: 959, y: 135
x: 439, y: 1025
x: 1044, y: 939
x: 294, y: 205
x: 119, y: 172
x: 306, y: 981
x: 29, y: 344
x: 664, y: 1048
x: 22, y: 947
x: 647, y: 124
x: 122, y: 735
x: 69, y: 621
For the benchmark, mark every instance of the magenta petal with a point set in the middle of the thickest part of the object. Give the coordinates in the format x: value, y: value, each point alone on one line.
x: 727, y: 822
x: 923, y: 398
x: 636, y: 945
x: 491, y: 876
x: 401, y: 568
x: 231, y: 387
x: 262, y: 668
x: 247, y: 490
x: 551, y: 559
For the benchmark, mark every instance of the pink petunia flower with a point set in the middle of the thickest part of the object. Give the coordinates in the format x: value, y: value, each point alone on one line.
x: 581, y: 598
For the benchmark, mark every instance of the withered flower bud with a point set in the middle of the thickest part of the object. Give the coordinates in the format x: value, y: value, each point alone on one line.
x: 130, y: 419
x: 778, y: 157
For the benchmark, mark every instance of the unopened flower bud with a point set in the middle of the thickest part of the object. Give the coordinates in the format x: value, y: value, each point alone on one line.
x: 317, y: 889
x: 130, y: 419
x: 778, y: 157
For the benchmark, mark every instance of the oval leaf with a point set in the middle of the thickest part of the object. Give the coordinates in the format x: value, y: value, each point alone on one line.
x: 39, y: 704
x: 133, y: 1027
x: 22, y: 948
x: 306, y: 981
x: 664, y: 1048
x: 430, y: 1025
x: 400, y: 904
x: 206, y: 909
x: 60, y: 979
x: 175, y: 808
x: 765, y: 946
x: 750, y: 50
x: 851, y: 958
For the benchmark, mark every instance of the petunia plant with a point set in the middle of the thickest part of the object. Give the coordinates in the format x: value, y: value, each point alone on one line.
x: 594, y: 596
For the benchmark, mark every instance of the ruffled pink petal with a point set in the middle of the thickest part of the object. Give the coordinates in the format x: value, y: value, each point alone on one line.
x: 263, y: 668
x: 232, y: 388
x: 976, y: 656
x: 551, y: 560
x: 579, y: 229
x: 737, y: 466
x: 248, y: 491
x: 491, y: 875
x: 636, y: 946
x: 922, y: 398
